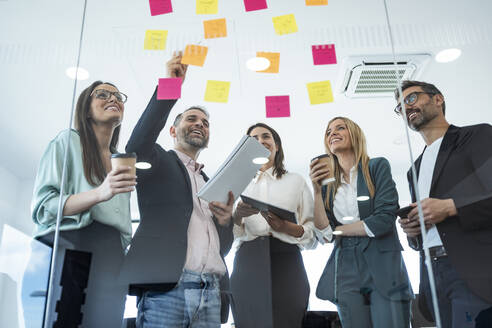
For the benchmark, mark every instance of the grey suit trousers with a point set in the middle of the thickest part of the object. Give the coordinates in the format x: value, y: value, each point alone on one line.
x: 360, y: 304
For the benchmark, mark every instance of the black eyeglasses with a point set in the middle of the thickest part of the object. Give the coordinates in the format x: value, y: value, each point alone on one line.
x: 411, y: 99
x: 106, y: 94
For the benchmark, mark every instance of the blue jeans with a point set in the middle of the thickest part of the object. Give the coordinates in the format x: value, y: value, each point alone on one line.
x: 458, y: 306
x: 193, y: 303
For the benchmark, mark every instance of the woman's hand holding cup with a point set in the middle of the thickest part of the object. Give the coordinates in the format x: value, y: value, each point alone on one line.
x: 321, y: 172
x: 119, y: 180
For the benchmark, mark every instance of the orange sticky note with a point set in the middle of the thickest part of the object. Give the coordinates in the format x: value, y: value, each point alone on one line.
x: 316, y: 2
x: 206, y: 7
x: 284, y: 24
x: 194, y: 55
x: 215, y: 28
x: 273, y: 57
x: 217, y: 91
x: 320, y: 92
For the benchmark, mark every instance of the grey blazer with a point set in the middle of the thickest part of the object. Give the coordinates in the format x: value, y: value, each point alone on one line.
x: 382, y: 252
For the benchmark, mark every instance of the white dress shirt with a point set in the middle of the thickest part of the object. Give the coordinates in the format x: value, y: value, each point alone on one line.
x: 426, y: 172
x: 345, y: 207
x: 290, y: 192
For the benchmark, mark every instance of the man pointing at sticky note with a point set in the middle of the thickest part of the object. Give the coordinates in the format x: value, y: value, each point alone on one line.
x: 176, y: 261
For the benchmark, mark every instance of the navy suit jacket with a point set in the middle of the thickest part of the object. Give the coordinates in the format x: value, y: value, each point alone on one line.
x: 382, y: 252
x: 463, y: 172
x: 157, y: 255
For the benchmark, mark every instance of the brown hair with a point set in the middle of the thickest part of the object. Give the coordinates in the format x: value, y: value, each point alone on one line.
x: 358, y: 142
x: 426, y: 87
x: 178, y: 118
x: 94, y: 170
x: 278, y: 162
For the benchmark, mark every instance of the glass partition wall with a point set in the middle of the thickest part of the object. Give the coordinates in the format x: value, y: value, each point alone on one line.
x: 38, y: 43
x: 326, y: 60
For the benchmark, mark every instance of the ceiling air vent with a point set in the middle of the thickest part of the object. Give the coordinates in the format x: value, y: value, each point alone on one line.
x: 375, y: 76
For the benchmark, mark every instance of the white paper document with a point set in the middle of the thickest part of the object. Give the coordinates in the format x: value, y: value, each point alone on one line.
x: 236, y: 172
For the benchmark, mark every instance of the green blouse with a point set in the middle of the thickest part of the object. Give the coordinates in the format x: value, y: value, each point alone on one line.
x: 114, y: 212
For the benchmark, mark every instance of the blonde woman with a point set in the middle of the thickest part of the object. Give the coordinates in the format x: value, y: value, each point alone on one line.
x: 365, y: 275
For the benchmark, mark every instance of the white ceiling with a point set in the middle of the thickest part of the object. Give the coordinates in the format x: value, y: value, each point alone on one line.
x: 39, y: 40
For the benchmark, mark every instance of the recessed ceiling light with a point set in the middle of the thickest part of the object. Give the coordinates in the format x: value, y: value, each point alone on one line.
x: 362, y: 198
x: 260, y: 160
x: 83, y: 74
x: 143, y: 165
x: 448, y: 55
x: 258, y: 63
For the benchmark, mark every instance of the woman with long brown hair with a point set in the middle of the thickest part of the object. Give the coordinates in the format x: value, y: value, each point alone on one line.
x: 365, y: 275
x: 269, y: 283
x: 96, y: 220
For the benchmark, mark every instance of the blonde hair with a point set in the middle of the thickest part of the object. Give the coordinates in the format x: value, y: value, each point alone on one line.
x: 358, y: 143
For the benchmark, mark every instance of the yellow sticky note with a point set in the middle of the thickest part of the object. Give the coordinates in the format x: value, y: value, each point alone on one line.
x: 316, y: 2
x: 217, y: 91
x: 273, y: 57
x: 155, y: 40
x: 194, y: 55
x: 320, y: 92
x: 206, y: 7
x: 215, y: 28
x: 285, y: 24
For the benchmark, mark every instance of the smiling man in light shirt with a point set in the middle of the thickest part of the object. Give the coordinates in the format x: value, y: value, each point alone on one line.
x: 454, y: 175
x: 176, y: 260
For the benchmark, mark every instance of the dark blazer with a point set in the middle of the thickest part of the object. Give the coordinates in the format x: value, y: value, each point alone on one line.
x: 157, y: 255
x: 463, y: 172
x: 382, y: 252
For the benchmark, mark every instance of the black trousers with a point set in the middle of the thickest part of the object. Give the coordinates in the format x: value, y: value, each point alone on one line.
x: 269, y: 285
x: 86, y: 278
x: 458, y: 306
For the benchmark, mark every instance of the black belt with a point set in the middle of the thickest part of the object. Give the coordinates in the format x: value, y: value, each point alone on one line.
x: 138, y: 290
x: 437, y: 251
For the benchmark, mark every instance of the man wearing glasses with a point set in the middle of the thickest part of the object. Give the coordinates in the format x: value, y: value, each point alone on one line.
x: 454, y: 175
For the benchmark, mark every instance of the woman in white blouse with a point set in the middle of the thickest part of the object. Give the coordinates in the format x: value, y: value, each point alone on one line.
x: 365, y: 275
x: 269, y: 283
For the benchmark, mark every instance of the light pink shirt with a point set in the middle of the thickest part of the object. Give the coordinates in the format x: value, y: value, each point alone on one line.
x: 203, y: 252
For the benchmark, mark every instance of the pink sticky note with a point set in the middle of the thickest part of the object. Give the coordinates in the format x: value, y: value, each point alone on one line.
x: 251, y: 5
x: 169, y: 88
x: 324, y: 54
x: 277, y: 106
x: 159, y: 7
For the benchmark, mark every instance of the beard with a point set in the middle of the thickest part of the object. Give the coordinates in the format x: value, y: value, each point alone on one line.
x: 418, y: 122
x: 424, y: 117
x: 194, y: 141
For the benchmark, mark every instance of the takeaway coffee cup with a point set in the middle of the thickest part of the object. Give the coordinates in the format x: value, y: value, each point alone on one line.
x: 124, y: 159
x: 325, y: 159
